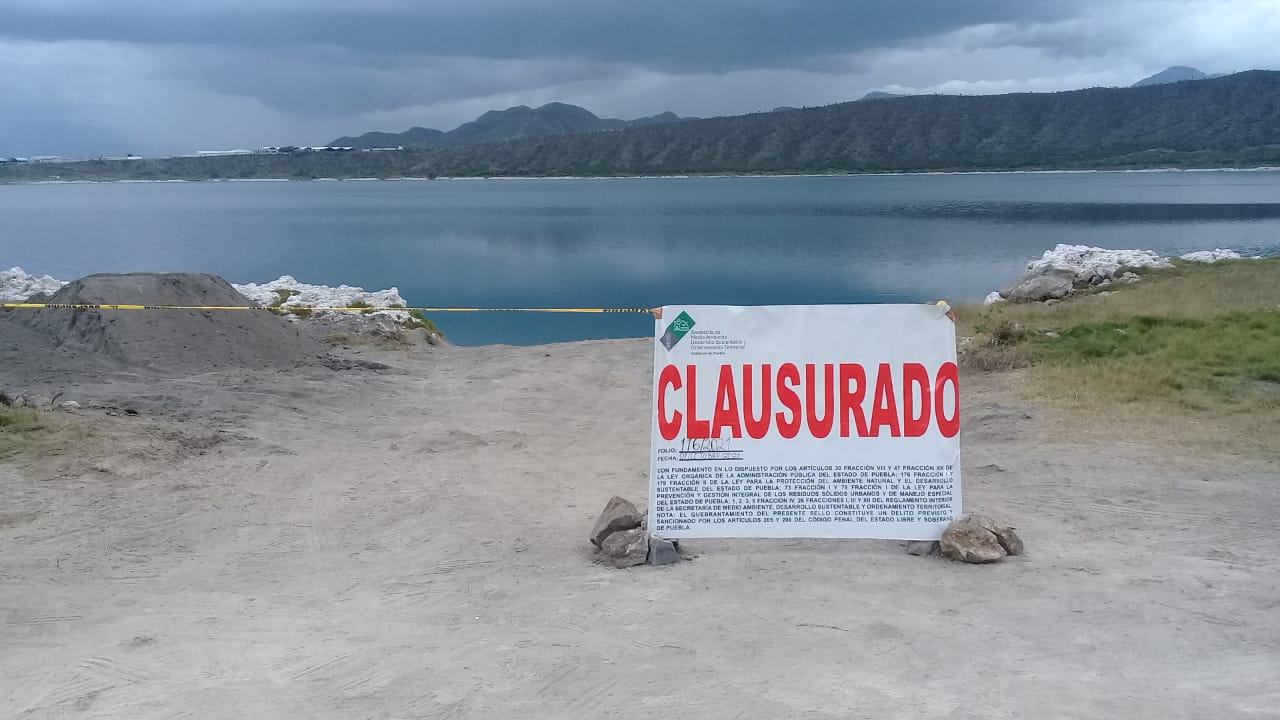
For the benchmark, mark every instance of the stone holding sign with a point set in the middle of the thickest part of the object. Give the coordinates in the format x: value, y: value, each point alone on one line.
x: 978, y: 539
x: 621, y: 535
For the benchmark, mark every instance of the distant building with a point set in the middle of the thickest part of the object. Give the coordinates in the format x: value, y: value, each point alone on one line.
x: 219, y: 153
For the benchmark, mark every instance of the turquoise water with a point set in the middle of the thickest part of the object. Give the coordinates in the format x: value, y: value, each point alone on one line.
x: 631, y: 243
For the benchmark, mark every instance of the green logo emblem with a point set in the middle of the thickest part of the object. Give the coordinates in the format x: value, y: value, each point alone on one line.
x: 676, y: 330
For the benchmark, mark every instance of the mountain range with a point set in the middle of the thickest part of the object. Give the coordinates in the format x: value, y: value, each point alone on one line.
x: 516, y: 122
x: 1231, y: 121
x: 559, y: 118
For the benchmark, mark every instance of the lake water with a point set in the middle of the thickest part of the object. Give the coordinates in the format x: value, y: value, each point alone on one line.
x: 633, y: 242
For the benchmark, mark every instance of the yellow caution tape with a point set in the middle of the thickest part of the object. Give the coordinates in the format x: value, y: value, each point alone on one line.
x: 287, y: 308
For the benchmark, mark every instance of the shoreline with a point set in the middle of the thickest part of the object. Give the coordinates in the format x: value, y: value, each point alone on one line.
x: 1117, y: 171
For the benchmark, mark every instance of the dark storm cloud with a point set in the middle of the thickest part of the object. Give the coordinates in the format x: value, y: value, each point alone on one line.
x: 172, y: 76
x: 708, y: 36
x: 325, y: 80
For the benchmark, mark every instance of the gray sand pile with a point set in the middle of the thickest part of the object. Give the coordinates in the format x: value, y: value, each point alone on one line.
x: 184, y: 341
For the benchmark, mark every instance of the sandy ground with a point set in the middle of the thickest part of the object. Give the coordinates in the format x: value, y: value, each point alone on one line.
x: 411, y: 543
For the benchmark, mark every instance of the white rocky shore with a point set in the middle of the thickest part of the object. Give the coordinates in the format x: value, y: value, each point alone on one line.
x: 1061, y: 270
x: 16, y: 285
x: 300, y: 295
x: 285, y: 292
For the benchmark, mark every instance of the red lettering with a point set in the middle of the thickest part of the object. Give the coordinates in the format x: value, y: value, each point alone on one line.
x: 884, y: 406
x: 820, y: 427
x: 696, y: 429
x: 726, y: 415
x: 756, y: 427
x: 788, y: 399
x: 851, y: 400
x: 948, y: 373
x: 669, y: 428
x: 915, y: 376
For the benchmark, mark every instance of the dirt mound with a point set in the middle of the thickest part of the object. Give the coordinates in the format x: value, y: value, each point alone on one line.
x: 183, y: 340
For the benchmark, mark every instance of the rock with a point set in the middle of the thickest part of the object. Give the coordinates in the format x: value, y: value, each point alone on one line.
x: 626, y: 548
x: 993, y: 298
x: 662, y: 551
x: 70, y: 405
x: 971, y: 543
x: 1210, y: 256
x: 982, y: 521
x: 1129, y: 278
x: 1009, y: 540
x: 17, y: 286
x: 36, y: 401
x: 1083, y: 261
x: 619, y: 514
x: 1037, y: 286
x: 5, y: 400
x: 922, y: 548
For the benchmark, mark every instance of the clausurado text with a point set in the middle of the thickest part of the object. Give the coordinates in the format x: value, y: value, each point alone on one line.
x: 848, y: 399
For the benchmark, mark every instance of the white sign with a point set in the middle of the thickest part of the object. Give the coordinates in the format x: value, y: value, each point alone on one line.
x: 805, y: 421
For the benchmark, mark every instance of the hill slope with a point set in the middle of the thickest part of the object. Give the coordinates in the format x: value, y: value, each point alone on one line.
x: 1177, y: 73
x: 879, y: 95
x: 1101, y: 127
x: 513, y: 123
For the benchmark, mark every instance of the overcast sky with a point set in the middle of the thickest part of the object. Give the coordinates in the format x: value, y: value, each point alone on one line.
x: 175, y: 76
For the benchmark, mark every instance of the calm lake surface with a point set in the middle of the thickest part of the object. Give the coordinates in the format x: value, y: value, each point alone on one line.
x: 631, y: 243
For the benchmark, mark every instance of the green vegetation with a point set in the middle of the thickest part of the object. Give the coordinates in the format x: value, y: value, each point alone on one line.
x: 419, y: 321
x: 25, y: 431
x: 19, y: 428
x: 1232, y: 121
x: 1191, y: 353
x: 339, y: 339
x: 282, y: 296
x: 369, y: 309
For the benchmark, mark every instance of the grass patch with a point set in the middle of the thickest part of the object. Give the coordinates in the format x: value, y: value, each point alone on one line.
x: 24, y: 431
x: 339, y: 339
x: 368, y: 309
x: 1190, y: 353
x: 19, y: 428
x: 283, y: 295
x: 419, y: 321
